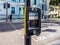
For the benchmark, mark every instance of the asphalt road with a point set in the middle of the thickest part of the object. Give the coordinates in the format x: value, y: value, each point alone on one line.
x: 13, y: 34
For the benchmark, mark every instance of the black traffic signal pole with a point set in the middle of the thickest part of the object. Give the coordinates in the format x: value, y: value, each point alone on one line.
x: 27, y: 38
x: 28, y: 3
x: 28, y: 33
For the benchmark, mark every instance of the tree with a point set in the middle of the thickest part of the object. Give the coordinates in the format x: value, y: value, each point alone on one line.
x: 54, y: 2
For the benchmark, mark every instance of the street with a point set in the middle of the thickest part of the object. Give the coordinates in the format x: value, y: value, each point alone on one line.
x: 29, y: 22
x: 13, y: 34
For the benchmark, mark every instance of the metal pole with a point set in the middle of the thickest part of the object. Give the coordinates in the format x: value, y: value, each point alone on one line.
x: 28, y: 3
x: 6, y: 13
x: 27, y: 38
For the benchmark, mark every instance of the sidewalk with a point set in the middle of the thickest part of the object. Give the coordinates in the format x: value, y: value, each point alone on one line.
x: 13, y: 21
x: 22, y: 20
x: 50, y: 20
x: 56, y: 42
x: 54, y: 19
x: 49, y: 34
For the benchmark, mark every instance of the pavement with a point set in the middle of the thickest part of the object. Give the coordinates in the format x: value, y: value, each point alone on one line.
x: 42, y: 20
x: 12, y: 33
x: 48, y: 34
x: 13, y: 21
x: 55, y: 20
x: 56, y: 42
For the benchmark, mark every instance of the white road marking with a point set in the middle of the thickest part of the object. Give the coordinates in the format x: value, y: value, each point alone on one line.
x: 13, y: 26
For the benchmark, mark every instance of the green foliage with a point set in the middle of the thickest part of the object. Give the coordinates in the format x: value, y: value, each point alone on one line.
x: 55, y: 2
x: 51, y: 9
x: 58, y: 16
x: 52, y: 17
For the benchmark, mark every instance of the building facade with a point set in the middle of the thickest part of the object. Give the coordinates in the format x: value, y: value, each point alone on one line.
x: 43, y: 5
x: 16, y: 7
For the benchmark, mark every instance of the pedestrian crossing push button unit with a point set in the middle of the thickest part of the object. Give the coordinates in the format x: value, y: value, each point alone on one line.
x: 33, y: 21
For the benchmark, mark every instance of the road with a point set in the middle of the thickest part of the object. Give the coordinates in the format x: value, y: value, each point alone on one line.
x: 13, y: 34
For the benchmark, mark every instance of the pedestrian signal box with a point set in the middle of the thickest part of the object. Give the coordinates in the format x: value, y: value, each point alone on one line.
x: 32, y: 21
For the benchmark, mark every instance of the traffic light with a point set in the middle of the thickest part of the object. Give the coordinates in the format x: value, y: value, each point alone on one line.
x: 8, y: 5
x: 4, y: 5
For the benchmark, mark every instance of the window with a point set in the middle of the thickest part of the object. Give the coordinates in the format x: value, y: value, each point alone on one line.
x: 42, y: 7
x: 13, y: 10
x: 24, y: 0
x: 19, y: 10
x: 19, y: 0
x: 14, y: 0
x: 35, y: 2
x: 42, y: 0
x: 45, y: 7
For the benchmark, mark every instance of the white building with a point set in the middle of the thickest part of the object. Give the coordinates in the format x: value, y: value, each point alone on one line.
x: 16, y: 7
x: 43, y: 5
